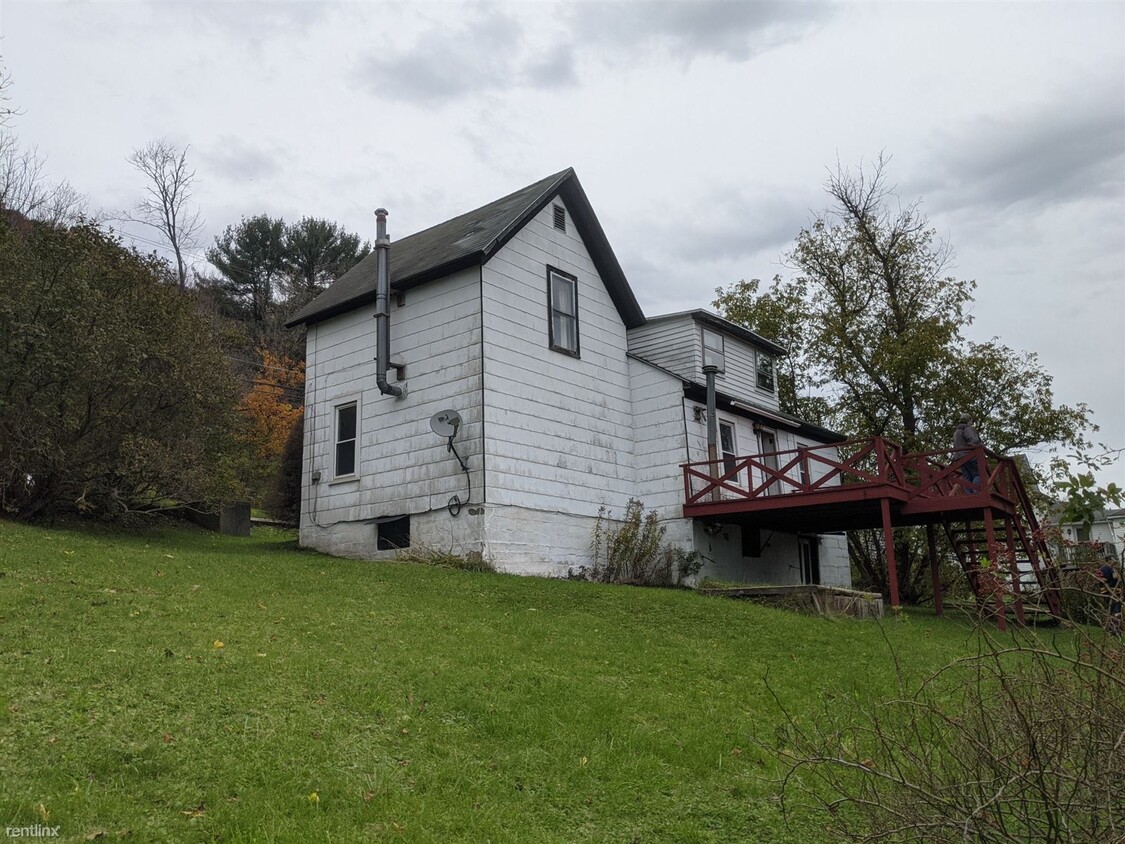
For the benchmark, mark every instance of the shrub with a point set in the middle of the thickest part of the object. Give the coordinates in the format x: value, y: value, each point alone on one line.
x: 633, y: 551
x: 1021, y: 742
x: 114, y: 396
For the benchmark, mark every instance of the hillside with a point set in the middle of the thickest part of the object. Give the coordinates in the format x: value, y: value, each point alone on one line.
x: 179, y: 685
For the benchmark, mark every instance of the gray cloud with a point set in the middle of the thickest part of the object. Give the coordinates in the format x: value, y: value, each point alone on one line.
x: 733, y: 29
x: 1066, y: 150
x: 234, y: 159
x: 496, y: 52
x: 737, y: 222
x: 444, y: 64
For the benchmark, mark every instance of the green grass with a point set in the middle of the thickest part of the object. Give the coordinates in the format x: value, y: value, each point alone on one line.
x: 358, y: 701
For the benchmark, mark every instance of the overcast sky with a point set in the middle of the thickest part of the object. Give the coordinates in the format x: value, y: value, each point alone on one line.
x: 702, y: 132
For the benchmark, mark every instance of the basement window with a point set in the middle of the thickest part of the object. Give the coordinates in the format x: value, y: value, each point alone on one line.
x: 562, y: 305
x: 393, y: 534
x: 560, y: 217
x: 346, y: 436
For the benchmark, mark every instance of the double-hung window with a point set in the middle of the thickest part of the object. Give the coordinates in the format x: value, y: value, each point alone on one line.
x: 765, y: 371
x: 562, y: 306
x: 347, y: 428
x: 714, y: 350
x: 728, y: 452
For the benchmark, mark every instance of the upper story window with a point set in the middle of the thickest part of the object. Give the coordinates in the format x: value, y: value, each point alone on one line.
x: 714, y: 349
x: 562, y: 305
x: 347, y: 428
x: 765, y: 371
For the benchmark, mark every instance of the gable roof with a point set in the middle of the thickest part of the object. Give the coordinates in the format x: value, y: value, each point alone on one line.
x: 470, y: 240
x: 732, y: 328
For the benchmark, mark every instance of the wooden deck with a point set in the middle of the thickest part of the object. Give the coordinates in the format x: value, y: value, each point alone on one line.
x: 874, y: 483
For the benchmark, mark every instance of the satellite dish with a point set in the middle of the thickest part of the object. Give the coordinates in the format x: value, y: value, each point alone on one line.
x: 445, y: 423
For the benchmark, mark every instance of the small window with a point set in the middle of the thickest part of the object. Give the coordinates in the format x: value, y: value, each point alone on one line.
x: 727, y: 450
x: 560, y: 218
x: 562, y: 303
x: 393, y: 534
x: 714, y: 350
x: 346, y: 419
x: 765, y: 371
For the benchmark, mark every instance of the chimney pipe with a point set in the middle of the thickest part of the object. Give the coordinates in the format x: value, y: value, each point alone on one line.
x: 382, y: 306
x: 710, y: 370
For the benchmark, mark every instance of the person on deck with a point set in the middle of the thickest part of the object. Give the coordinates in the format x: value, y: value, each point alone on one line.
x: 965, y: 438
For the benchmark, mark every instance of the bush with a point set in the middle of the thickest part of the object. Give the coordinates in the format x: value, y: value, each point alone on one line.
x: 633, y: 551
x: 114, y: 397
x: 1021, y: 742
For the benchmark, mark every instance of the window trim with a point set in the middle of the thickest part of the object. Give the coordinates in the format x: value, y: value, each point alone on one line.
x: 576, y: 352
x: 337, y: 406
x: 758, y: 355
x: 722, y: 351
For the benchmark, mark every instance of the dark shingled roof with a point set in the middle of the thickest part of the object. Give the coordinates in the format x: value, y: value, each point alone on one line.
x: 470, y: 240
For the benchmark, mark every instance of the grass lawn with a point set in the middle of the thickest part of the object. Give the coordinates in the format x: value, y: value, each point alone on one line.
x: 176, y: 685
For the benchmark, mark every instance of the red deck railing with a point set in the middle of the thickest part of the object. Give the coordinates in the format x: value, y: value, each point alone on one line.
x: 854, y: 464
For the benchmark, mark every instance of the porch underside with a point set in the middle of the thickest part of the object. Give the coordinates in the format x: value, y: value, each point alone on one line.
x: 840, y: 509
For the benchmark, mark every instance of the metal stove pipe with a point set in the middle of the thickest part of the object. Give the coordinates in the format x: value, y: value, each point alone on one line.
x: 382, y: 305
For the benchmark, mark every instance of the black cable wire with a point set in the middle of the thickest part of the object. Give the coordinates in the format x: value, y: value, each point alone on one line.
x: 455, y: 503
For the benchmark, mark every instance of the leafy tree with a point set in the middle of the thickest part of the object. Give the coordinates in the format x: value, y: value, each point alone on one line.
x: 114, y: 396
x: 317, y: 252
x: 167, y: 205
x: 272, y: 407
x: 251, y: 259
x: 874, y: 323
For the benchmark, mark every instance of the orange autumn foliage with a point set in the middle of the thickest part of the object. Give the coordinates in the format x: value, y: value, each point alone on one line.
x: 272, y: 406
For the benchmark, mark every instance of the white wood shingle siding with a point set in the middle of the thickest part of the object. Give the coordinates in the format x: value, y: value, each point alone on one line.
x: 671, y: 343
x: 402, y: 466
x: 676, y: 344
x: 660, y: 438
x: 559, y: 428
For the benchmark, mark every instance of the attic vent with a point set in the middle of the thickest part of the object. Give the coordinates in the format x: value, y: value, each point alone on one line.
x: 560, y: 218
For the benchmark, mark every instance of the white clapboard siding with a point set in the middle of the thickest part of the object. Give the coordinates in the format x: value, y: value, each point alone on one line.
x: 671, y: 343
x: 660, y: 438
x: 676, y: 344
x: 740, y: 378
x: 558, y: 428
x: 402, y: 466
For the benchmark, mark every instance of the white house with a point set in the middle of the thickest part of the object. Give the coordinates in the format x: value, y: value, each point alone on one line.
x: 1107, y: 530
x: 518, y: 316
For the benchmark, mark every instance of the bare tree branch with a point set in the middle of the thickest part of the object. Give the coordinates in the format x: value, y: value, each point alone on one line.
x: 167, y: 205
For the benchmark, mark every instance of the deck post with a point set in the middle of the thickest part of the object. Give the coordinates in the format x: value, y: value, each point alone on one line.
x: 994, y: 567
x: 889, y: 542
x: 931, y: 549
x: 1017, y: 587
x: 973, y: 572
